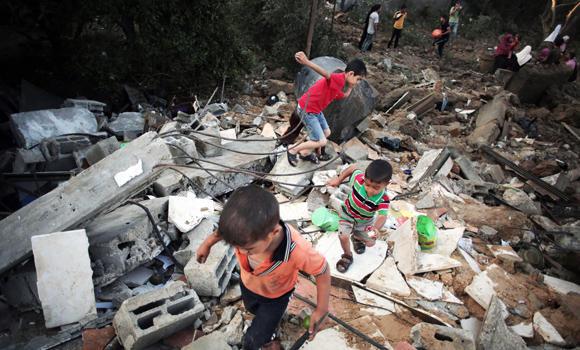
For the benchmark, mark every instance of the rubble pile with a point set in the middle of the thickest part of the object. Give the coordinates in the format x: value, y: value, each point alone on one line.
x: 114, y: 243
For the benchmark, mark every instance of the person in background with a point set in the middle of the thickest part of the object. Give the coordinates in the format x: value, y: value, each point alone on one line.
x: 398, y: 24
x: 572, y: 63
x: 443, y: 37
x: 564, y: 43
x: 370, y: 29
x: 504, y: 52
x: 454, y: 17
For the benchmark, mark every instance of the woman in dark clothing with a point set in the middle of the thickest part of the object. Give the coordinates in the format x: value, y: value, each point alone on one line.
x: 504, y: 52
x: 444, y: 37
x: 363, y: 37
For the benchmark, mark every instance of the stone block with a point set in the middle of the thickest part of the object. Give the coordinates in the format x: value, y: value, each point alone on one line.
x: 30, y: 128
x: 101, y: 149
x: 342, y: 115
x: 520, y: 200
x: 186, y: 150
x: 147, y: 318
x: 495, y: 334
x: 63, y: 269
x: 212, y: 277
x: 493, y: 173
x: 208, y: 145
x: 128, y: 125
x: 434, y: 337
x: 214, y: 341
x: 483, y: 135
x: 96, y: 107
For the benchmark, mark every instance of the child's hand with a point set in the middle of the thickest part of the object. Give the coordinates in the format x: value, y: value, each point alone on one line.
x: 202, y: 253
x: 301, y: 57
x: 315, y: 320
x: 334, y: 182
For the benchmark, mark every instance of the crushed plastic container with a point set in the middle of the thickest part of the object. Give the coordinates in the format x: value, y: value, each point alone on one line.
x: 427, y: 232
x: 326, y: 219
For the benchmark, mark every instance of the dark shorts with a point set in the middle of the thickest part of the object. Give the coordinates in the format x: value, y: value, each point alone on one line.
x: 268, y: 314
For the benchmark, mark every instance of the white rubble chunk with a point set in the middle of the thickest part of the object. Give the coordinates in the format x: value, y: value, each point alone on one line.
x: 430, y: 290
x: 561, y: 286
x: 65, y: 285
x: 187, y: 212
x: 132, y: 172
x: 524, y: 329
x: 547, y: 330
x: 388, y: 279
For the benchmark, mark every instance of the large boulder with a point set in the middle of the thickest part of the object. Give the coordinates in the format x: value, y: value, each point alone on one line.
x: 342, y: 115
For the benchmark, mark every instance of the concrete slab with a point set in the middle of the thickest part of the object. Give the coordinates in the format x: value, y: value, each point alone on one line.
x: 425, y: 162
x: 547, y: 330
x: 387, y: 307
x: 561, y: 286
x: 66, y: 206
x: 355, y: 150
x: 63, y: 269
x: 447, y: 241
x: 495, y: 334
x: 482, y: 287
x: 363, y: 264
x: 30, y: 128
x: 430, y: 290
x: 427, y: 262
x: 128, y: 125
x: 473, y: 325
x: 405, y: 250
x: 388, y: 279
x: 214, y: 341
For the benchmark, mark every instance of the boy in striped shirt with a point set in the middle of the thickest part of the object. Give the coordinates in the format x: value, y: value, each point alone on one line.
x: 364, y: 211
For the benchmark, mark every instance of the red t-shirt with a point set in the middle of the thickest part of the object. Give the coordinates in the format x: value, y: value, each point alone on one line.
x: 324, y: 91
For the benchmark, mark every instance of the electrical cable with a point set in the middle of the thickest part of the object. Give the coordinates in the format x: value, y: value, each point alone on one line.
x: 157, y: 232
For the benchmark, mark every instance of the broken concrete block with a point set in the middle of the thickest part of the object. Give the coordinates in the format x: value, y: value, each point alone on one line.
x: 482, y: 288
x: 171, y: 181
x: 186, y: 212
x: 63, y: 269
x: 208, y: 146
x: 519, y: 199
x: 426, y: 202
x: 30, y: 128
x: 128, y: 125
x: 96, y: 107
x: 150, y: 317
x: 547, y: 330
x: 342, y: 115
x: 524, y: 329
x: 427, y: 262
x: 211, y: 278
x: 430, y: 336
x: 427, y: 159
x: 123, y: 239
x: 185, y: 151
x: 487, y: 231
x: 484, y: 135
x: 20, y: 289
x: 101, y: 149
x: 234, y: 331
x: 388, y: 279
x: 430, y: 290
x: 493, y: 173
x: 316, y: 199
x: 214, y: 341
x: 473, y: 325
x: 232, y: 294
x: 530, y: 82
x: 294, y: 211
x: 495, y: 334
x: 467, y: 169
x: 355, y: 150
x: 195, y: 237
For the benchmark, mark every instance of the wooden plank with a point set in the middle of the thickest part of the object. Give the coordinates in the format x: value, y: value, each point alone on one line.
x: 82, y: 198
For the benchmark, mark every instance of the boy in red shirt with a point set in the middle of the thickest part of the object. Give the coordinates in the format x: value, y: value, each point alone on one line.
x: 316, y: 99
x: 270, y: 254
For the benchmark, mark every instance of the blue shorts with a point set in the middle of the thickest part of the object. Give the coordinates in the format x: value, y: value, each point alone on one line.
x: 315, y: 125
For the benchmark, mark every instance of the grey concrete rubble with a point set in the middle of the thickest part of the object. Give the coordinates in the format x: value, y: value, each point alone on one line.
x: 217, y: 182
x: 212, y: 277
x: 123, y: 239
x: 66, y: 206
x: 489, y: 121
x: 430, y: 336
x: 194, y: 238
x: 101, y: 150
x: 148, y: 318
x: 495, y: 334
x: 128, y: 125
x: 30, y: 128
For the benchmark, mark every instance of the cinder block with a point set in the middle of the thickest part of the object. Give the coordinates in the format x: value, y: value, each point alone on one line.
x: 102, y: 149
x: 212, y: 277
x: 147, y: 318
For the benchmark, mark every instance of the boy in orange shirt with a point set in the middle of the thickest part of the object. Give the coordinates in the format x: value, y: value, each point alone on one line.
x: 270, y: 254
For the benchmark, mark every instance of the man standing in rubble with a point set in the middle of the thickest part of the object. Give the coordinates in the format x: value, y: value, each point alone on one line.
x: 454, y: 18
x: 398, y: 24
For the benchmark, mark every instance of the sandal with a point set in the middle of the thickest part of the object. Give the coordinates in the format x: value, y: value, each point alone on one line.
x: 292, y: 158
x: 359, y: 246
x: 344, y: 263
x: 311, y: 158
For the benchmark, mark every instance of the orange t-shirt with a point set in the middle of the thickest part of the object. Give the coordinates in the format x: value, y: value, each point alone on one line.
x: 277, y: 276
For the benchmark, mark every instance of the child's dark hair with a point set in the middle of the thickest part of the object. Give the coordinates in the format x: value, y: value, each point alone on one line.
x: 357, y: 66
x: 248, y: 216
x: 379, y: 171
x: 403, y: 7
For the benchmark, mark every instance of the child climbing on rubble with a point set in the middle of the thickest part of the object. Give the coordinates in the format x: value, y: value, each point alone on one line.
x: 270, y: 254
x: 316, y: 99
x: 364, y: 211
